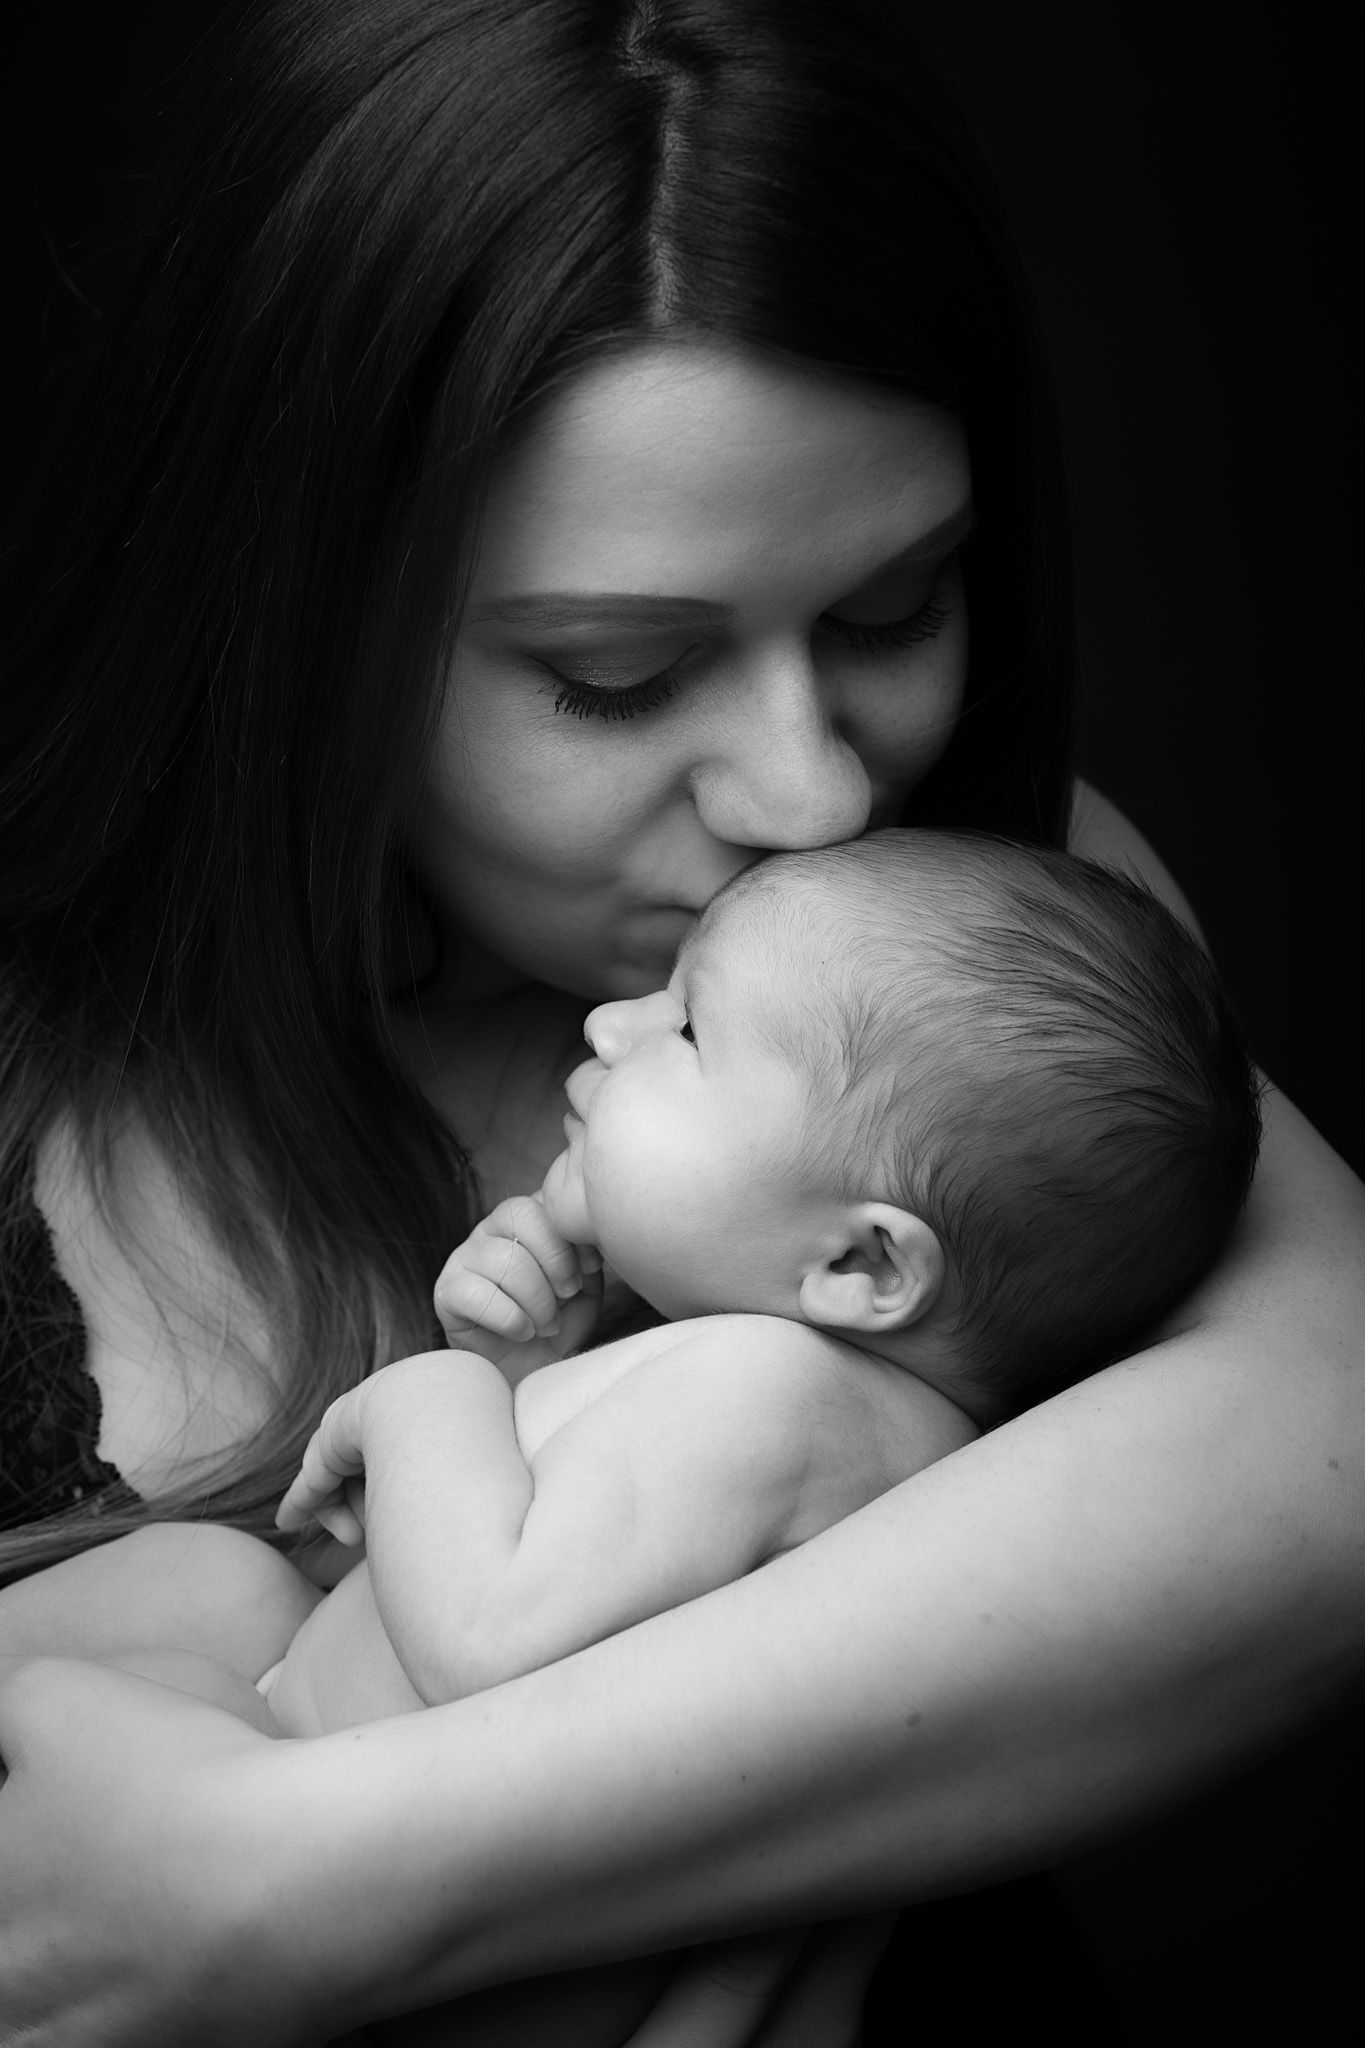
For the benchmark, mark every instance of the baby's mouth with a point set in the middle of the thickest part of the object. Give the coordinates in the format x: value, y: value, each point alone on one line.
x: 580, y: 1088
x: 574, y: 1126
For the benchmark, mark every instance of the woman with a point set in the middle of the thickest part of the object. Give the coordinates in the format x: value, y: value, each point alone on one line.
x: 607, y: 288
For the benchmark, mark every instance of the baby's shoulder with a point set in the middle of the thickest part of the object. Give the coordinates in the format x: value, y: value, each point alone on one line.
x: 765, y: 1374
x: 835, y: 1424
x: 546, y: 1400
x: 861, y: 1409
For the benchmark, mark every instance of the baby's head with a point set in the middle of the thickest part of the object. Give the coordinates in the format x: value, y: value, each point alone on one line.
x: 981, y: 1108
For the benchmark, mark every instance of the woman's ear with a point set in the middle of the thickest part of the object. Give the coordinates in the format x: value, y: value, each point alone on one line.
x: 886, y: 1274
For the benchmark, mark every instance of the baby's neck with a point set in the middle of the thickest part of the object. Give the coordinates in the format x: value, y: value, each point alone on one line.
x: 932, y: 1356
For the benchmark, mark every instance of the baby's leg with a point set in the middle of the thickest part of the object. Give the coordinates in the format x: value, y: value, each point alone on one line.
x: 206, y: 1678
x: 169, y: 1586
x: 341, y: 1668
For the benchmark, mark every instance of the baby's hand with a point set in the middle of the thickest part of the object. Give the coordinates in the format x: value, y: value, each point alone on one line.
x: 507, y: 1285
x: 327, y: 1488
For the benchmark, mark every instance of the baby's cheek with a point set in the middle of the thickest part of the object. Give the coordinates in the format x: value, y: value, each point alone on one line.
x: 639, y: 1236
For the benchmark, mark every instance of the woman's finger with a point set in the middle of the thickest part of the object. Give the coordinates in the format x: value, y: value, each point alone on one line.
x: 820, y: 2004
x: 721, y: 1994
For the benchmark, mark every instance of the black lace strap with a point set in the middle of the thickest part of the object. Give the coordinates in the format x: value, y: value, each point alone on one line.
x: 49, y: 1404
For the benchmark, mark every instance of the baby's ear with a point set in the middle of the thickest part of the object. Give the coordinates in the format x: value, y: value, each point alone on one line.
x: 887, y: 1274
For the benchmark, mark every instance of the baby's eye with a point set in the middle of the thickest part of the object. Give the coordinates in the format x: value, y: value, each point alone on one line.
x: 685, y: 1031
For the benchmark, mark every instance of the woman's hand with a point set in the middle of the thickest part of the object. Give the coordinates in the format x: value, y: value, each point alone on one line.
x: 798, y: 1988
x: 125, y: 1866
x: 169, y: 1876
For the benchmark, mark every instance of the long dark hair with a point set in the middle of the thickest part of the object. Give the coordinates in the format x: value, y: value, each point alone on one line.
x: 389, y: 227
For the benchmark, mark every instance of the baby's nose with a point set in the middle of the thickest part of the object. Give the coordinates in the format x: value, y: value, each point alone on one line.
x: 607, y: 1030
x: 613, y: 1028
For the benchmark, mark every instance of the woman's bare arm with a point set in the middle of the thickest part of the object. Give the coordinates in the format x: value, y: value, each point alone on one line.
x: 1091, y: 1612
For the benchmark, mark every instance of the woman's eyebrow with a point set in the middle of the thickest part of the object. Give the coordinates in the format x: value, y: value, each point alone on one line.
x: 603, y: 608
x: 646, y: 613
x: 941, y: 539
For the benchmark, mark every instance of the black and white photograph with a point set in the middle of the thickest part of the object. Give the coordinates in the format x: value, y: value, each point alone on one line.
x: 682, y: 1270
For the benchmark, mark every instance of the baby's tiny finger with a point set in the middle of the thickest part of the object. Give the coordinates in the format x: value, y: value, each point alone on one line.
x: 524, y: 1220
x: 291, y: 1514
x: 499, y: 1268
x: 340, y: 1521
x: 300, y: 1505
x: 485, y: 1307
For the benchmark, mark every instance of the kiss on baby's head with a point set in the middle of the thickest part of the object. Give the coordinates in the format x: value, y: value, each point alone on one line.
x: 980, y: 1108
x: 1030, y: 1053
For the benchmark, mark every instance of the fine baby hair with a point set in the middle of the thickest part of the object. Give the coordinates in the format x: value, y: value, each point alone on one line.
x: 1030, y: 1052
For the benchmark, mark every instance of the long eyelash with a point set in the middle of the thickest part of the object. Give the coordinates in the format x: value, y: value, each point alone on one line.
x: 930, y: 619
x: 581, y: 700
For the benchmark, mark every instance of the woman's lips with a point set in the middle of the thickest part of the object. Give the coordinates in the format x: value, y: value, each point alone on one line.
x: 573, y: 1126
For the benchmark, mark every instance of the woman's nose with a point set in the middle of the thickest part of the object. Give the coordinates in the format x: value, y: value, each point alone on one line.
x: 781, y: 775
x: 613, y: 1029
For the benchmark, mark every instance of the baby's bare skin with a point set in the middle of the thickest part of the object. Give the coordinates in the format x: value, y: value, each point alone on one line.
x: 185, y: 1587
x: 508, y: 1530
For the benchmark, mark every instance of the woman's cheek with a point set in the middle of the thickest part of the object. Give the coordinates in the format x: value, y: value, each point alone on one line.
x: 936, y: 704
x: 543, y: 805
x: 509, y: 779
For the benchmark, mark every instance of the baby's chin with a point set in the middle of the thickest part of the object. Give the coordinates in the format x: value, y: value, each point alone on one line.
x: 562, y: 1197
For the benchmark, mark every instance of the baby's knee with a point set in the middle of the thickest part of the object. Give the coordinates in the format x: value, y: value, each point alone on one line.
x: 240, y: 1600
x: 206, y: 1678
x: 229, y: 1558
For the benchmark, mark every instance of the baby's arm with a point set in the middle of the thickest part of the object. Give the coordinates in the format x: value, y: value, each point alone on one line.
x: 726, y: 1441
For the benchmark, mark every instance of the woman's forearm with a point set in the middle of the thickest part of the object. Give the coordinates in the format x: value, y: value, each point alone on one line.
x: 1096, y: 1609
x: 1088, y: 1613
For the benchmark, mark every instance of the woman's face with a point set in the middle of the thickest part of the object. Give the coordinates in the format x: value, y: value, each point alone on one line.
x: 717, y: 611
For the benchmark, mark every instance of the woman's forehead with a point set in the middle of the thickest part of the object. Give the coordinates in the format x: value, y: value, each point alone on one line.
x: 698, y: 471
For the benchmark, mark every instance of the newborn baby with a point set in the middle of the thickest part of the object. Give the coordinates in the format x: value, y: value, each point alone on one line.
x: 923, y: 1128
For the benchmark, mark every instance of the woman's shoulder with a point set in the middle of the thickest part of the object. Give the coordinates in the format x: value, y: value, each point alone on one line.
x: 1101, y: 832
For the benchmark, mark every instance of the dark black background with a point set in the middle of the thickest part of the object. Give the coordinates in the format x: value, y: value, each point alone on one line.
x: 1177, y: 175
